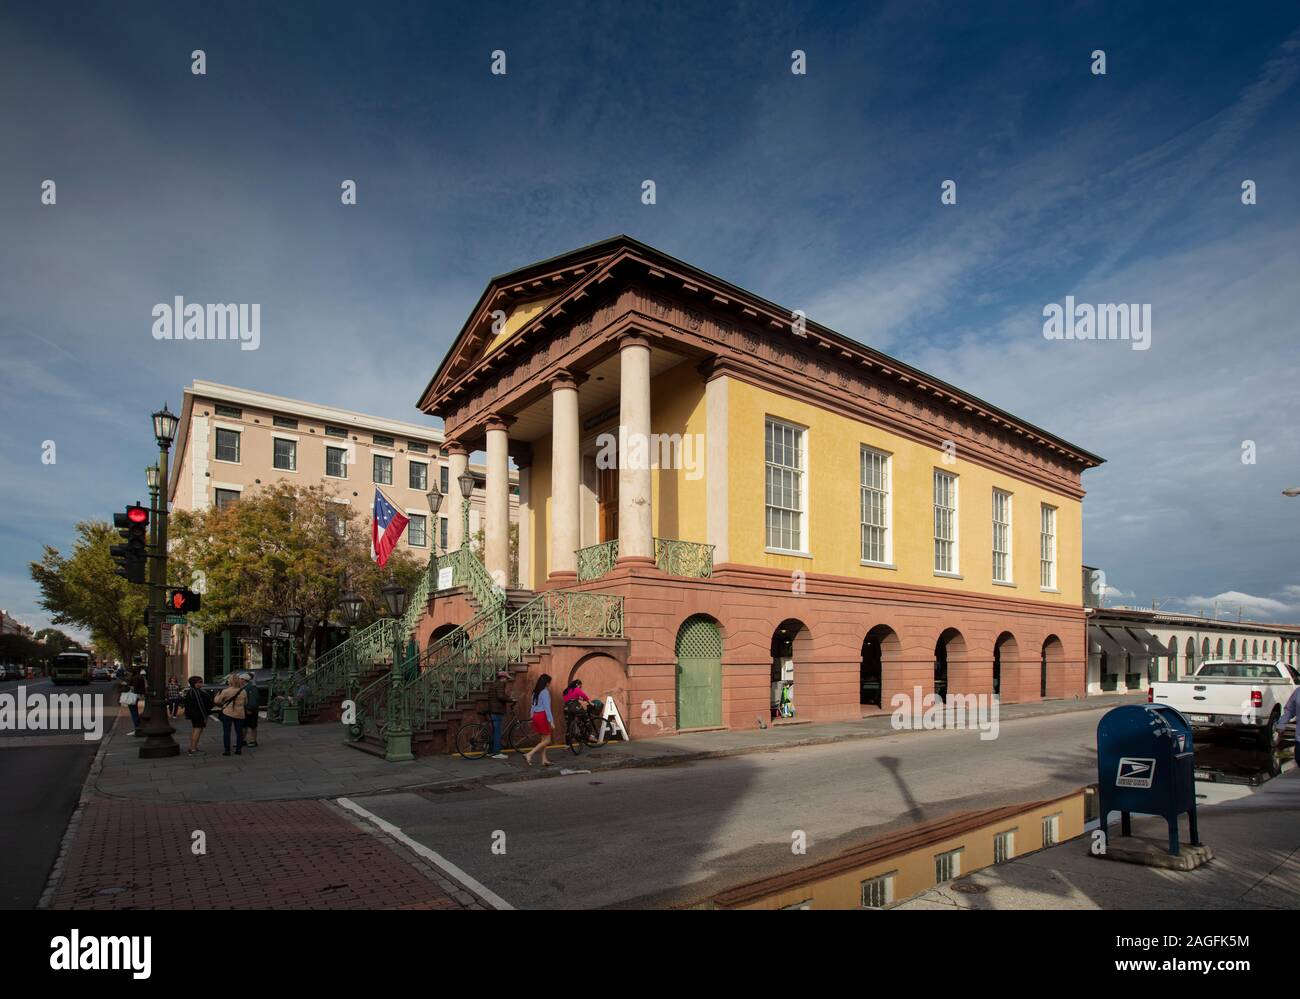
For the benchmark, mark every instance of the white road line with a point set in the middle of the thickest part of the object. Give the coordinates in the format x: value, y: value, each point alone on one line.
x: 439, y: 861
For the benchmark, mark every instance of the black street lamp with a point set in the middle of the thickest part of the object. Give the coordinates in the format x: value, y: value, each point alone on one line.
x: 159, y: 741
x: 466, y: 482
x: 395, y: 598
x: 351, y: 604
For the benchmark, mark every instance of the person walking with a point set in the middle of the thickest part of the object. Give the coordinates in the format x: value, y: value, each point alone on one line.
x: 250, y: 709
x: 133, y: 693
x: 543, y: 722
x: 173, y: 696
x: 231, y: 700
x: 197, y: 707
x: 499, y: 702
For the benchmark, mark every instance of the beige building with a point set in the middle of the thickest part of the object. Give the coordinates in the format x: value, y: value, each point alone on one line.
x: 232, y: 441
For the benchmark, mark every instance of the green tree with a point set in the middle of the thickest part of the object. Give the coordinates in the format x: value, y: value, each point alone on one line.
x: 84, y: 590
x: 280, y: 546
x: 56, y: 641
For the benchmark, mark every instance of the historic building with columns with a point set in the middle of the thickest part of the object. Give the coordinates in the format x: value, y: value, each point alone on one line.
x: 773, y: 502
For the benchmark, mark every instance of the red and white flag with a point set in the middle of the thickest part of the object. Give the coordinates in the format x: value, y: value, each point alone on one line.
x: 386, y: 527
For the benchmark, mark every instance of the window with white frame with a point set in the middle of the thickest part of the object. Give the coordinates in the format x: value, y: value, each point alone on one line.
x: 383, y: 469
x: 1051, y: 830
x: 945, y: 522
x: 336, y: 462
x: 1004, y: 846
x: 875, y: 505
x: 418, y: 475
x: 223, y: 498
x: 227, y: 445
x: 1047, y: 548
x: 784, y: 454
x: 1001, y: 536
x: 878, y: 892
x: 285, y: 455
x: 947, y: 866
x: 417, y: 535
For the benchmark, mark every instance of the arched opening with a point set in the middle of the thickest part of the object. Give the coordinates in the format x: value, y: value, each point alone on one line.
x: 1004, y: 648
x: 1189, y: 658
x: 441, y: 632
x: 1218, y: 649
x: 948, y: 648
x: 1254, y: 649
x: 1051, y: 679
x: 699, y: 673
x: 1232, y: 649
x: 880, y: 644
x: 791, y: 642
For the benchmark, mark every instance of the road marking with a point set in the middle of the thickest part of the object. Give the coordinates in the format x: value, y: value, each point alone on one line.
x: 439, y: 861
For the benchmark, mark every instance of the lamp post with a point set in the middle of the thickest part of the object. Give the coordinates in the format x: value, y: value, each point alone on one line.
x: 466, y: 482
x: 399, y: 728
x: 158, y: 732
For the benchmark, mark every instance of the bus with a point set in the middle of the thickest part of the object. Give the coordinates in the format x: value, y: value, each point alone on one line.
x: 71, y: 667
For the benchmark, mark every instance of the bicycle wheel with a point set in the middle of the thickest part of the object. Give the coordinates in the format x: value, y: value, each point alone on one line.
x: 520, y: 736
x: 575, y: 737
x: 594, y: 739
x: 473, y: 741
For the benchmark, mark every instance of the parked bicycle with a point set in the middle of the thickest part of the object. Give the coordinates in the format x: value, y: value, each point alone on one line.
x: 474, y: 740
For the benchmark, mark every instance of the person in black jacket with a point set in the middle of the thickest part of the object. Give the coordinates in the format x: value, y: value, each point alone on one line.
x: 197, y: 707
x: 251, y: 708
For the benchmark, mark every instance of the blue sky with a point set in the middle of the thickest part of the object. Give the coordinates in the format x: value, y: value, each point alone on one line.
x: 820, y: 192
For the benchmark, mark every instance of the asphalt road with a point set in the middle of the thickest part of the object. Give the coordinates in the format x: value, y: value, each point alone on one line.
x: 662, y: 836
x: 40, y: 781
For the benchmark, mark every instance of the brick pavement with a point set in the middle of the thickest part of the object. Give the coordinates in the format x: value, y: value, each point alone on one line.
x: 260, y: 855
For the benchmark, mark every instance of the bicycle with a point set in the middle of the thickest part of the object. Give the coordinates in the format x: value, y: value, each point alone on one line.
x: 474, y: 740
x: 582, y: 730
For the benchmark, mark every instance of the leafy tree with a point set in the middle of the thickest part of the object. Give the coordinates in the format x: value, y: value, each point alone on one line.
x: 23, y: 651
x: 281, y: 546
x: 83, y: 589
x: 56, y: 642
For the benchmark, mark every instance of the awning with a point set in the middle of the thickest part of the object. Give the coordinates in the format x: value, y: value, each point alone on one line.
x: 1099, y: 642
x: 1126, y: 641
x: 1154, y: 646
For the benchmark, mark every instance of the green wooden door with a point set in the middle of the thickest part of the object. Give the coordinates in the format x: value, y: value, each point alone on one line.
x: 699, y: 674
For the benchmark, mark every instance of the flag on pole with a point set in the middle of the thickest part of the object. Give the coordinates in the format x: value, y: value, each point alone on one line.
x: 386, y: 527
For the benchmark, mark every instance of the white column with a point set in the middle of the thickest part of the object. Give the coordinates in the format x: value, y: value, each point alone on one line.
x: 716, y: 491
x: 635, y: 511
x: 496, y: 529
x: 525, y: 525
x: 457, y: 462
x: 565, y: 469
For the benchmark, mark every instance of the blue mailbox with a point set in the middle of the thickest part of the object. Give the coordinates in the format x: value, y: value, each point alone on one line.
x: 1145, y: 765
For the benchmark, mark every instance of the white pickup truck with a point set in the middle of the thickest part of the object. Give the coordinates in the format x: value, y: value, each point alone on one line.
x: 1238, y: 694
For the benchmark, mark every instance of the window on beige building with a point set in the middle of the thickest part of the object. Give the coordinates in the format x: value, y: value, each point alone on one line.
x: 286, y: 454
x: 1001, y: 536
x: 227, y: 445
x: 945, y: 522
x: 383, y: 469
x: 417, y: 531
x: 336, y: 462
x: 418, y: 477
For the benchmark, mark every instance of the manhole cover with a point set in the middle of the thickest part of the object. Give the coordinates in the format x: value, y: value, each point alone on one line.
x: 968, y: 888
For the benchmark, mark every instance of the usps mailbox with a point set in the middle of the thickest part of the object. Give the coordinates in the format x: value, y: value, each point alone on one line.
x: 1145, y: 765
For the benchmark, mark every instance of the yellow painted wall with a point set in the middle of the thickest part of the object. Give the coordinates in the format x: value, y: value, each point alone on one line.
x: 832, y: 521
x: 539, y: 513
x: 677, y: 407
x: 521, y: 314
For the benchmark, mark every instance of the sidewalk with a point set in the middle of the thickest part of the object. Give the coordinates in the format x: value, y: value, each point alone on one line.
x: 306, y: 854
x: 311, y: 761
x: 1254, y: 833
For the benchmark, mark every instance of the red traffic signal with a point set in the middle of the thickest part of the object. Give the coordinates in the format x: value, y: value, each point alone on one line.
x: 182, y: 601
x: 138, y: 514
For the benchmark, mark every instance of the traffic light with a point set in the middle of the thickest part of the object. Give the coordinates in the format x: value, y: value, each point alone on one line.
x: 182, y: 601
x: 133, y: 556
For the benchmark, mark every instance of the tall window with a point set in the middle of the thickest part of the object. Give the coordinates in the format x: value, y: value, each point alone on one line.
x: 336, y: 462
x: 224, y: 497
x: 875, y: 505
x: 383, y: 468
x: 1001, y: 536
x: 442, y: 532
x: 286, y: 454
x: 947, y: 866
x: 1004, y: 846
x: 416, y: 531
x: 419, y: 475
x: 945, y: 522
x: 1051, y: 830
x: 784, y: 453
x: 227, y: 445
x: 442, y: 479
x: 1047, y: 548
x: 878, y: 892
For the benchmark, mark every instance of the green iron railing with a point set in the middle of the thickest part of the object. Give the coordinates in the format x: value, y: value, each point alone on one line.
x: 677, y: 558
x: 465, y: 661
x: 337, y: 669
x: 595, y: 561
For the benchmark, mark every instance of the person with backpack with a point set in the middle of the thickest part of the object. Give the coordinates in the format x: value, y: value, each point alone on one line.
x: 250, y: 709
x: 197, y: 707
x: 543, y: 722
x: 232, y: 701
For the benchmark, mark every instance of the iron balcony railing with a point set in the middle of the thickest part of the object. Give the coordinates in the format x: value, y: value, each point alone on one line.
x: 676, y: 558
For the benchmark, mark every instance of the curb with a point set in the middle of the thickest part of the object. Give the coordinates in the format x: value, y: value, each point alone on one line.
x: 88, y: 791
